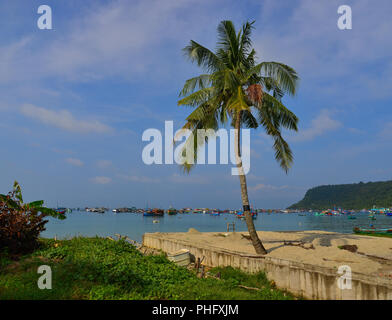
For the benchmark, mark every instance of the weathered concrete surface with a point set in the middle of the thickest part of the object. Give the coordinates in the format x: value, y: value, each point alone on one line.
x: 310, y: 281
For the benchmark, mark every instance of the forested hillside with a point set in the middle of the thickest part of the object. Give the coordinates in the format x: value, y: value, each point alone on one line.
x: 349, y: 196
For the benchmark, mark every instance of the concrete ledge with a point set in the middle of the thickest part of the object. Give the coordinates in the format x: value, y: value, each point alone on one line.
x: 310, y: 281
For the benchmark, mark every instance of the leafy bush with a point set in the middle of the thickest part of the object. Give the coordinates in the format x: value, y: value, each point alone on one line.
x: 21, y: 223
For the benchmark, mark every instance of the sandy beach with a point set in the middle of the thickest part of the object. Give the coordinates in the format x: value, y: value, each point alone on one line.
x: 373, y: 255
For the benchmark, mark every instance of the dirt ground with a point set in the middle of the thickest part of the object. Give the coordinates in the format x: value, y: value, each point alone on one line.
x: 364, y: 254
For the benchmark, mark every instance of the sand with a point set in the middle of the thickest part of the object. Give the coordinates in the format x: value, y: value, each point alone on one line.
x: 373, y: 256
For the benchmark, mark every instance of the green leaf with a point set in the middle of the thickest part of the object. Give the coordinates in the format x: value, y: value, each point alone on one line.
x: 36, y: 204
x: 18, y: 191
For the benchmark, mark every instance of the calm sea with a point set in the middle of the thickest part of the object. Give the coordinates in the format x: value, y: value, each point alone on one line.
x: 134, y: 225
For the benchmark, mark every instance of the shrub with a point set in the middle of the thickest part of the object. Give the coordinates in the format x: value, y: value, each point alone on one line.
x: 21, y: 223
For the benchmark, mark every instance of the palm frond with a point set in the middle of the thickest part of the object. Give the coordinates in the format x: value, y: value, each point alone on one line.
x: 245, y: 40
x: 286, y: 77
x: 199, y: 97
x: 202, y: 113
x: 249, y: 120
x: 193, y: 141
x: 200, y: 82
x: 278, y: 113
x: 228, y: 40
x: 204, y: 58
x: 271, y: 84
x: 283, y: 153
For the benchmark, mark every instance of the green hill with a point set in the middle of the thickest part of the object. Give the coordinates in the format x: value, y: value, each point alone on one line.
x: 348, y: 196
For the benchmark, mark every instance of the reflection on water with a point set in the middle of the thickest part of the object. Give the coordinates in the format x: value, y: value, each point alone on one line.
x: 135, y: 225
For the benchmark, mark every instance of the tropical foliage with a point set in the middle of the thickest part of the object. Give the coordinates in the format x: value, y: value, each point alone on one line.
x: 21, y: 223
x: 96, y: 268
x: 238, y: 91
x: 349, y: 196
x: 234, y: 85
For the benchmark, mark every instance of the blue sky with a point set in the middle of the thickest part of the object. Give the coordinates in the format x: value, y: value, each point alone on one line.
x: 75, y: 100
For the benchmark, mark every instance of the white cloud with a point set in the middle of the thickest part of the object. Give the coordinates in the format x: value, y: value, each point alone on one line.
x: 321, y: 124
x: 122, y: 38
x: 104, y: 164
x: 75, y: 162
x: 63, y: 119
x: 101, y: 180
x: 329, y: 60
x: 262, y: 186
x: 176, y: 178
x: 137, y: 178
x: 191, y: 178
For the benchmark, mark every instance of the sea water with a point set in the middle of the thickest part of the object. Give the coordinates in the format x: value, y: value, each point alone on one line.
x: 134, y: 225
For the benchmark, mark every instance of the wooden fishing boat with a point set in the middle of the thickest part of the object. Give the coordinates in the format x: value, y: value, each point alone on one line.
x: 148, y: 213
x: 171, y: 211
x: 215, y: 213
x: 158, y: 212
x: 372, y: 230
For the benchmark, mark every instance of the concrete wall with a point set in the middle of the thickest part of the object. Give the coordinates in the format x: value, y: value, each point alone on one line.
x: 310, y: 281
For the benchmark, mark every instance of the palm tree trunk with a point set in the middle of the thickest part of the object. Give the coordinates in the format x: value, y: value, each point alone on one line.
x: 244, y: 190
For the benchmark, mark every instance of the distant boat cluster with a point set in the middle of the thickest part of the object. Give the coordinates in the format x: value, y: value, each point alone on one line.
x: 149, y: 212
x: 173, y: 211
x: 158, y: 212
x: 351, y: 213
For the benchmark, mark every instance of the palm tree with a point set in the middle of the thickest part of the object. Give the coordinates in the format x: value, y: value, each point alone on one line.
x: 238, y: 90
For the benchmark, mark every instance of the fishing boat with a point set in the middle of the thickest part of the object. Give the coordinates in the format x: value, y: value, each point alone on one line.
x: 386, y: 211
x: 61, y: 210
x: 148, y: 213
x: 241, y: 214
x: 372, y: 230
x: 157, y: 212
x: 171, y: 211
x: 215, y: 213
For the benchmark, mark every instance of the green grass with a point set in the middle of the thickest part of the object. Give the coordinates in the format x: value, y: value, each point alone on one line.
x: 97, y: 268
